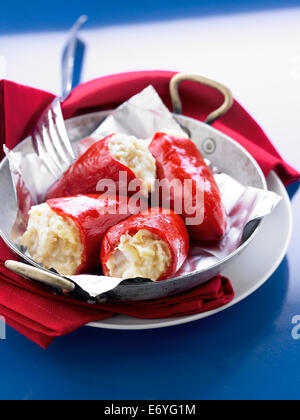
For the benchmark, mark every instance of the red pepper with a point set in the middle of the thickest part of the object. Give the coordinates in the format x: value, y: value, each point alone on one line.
x: 93, y: 216
x: 162, y: 222
x: 94, y: 165
x: 179, y: 158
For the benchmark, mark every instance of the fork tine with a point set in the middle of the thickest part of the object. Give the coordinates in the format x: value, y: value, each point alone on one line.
x: 61, y: 129
x: 49, y: 146
x: 40, y: 150
x: 57, y: 140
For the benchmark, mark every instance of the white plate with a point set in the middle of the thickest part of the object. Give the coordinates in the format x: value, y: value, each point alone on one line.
x: 268, y: 249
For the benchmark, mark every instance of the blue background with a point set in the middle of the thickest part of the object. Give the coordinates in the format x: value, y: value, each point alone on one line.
x: 32, y: 15
x: 246, y: 352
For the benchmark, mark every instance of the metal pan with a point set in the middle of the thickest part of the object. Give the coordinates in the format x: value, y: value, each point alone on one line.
x: 220, y: 149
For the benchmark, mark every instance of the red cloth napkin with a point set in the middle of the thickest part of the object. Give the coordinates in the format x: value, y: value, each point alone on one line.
x: 32, y: 309
x: 41, y: 316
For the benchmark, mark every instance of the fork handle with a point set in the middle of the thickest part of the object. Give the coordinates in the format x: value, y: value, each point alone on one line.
x: 69, y: 57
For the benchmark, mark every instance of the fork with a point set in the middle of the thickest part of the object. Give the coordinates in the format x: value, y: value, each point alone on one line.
x: 50, y: 138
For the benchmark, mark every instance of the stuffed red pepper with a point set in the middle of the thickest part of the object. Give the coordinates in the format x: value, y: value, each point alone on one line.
x: 66, y: 233
x: 104, y: 160
x: 153, y: 244
x: 178, y: 158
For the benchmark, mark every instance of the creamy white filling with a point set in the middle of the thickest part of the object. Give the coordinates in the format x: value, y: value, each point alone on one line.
x: 141, y: 255
x: 134, y: 154
x: 53, y: 240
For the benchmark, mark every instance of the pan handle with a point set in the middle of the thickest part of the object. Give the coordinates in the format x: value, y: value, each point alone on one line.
x: 45, y: 277
x: 176, y: 101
